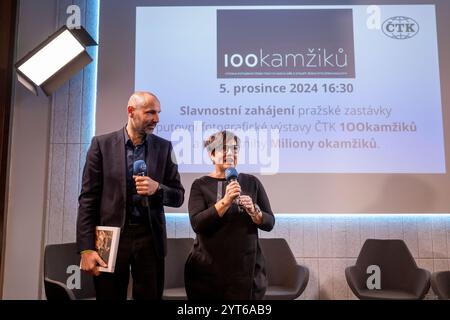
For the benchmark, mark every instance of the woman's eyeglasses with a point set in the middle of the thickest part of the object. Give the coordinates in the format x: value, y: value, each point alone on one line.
x: 225, y: 149
x: 234, y: 148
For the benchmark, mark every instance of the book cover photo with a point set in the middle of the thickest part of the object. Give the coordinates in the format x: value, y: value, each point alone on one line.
x: 107, y: 244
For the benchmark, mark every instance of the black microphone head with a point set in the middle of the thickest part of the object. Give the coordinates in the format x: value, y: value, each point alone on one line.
x: 231, y: 174
x: 139, y: 168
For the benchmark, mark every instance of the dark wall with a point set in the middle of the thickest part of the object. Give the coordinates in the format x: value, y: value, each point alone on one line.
x: 7, y: 31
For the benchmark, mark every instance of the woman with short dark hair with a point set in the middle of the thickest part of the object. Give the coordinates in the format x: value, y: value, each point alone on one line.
x: 226, y: 262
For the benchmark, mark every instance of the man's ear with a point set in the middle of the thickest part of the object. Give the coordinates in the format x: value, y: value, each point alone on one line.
x: 130, y: 110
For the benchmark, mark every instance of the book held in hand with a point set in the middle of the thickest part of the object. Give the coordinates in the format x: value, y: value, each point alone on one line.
x: 107, y: 244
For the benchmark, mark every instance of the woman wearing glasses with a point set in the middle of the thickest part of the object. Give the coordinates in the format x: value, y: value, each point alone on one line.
x: 226, y: 262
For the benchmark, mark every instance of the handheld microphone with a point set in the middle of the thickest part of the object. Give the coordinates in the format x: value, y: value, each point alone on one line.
x: 140, y: 169
x: 231, y: 174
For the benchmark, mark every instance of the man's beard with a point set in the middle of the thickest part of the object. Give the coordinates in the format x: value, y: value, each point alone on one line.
x: 145, y: 130
x: 148, y: 130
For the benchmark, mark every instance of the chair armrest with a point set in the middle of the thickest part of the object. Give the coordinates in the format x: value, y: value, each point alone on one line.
x: 55, y: 290
x: 355, y: 279
x: 297, y: 279
x: 421, y: 282
x: 440, y: 282
x: 303, y: 278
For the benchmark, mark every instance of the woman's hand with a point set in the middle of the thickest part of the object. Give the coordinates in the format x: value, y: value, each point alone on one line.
x: 232, y: 191
x: 247, y: 203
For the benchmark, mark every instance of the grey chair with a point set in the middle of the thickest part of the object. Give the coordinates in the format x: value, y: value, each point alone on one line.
x: 286, y: 279
x: 177, y: 252
x: 57, y: 259
x: 400, y: 278
x: 440, y: 282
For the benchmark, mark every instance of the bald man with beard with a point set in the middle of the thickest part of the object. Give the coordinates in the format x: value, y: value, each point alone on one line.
x: 112, y: 196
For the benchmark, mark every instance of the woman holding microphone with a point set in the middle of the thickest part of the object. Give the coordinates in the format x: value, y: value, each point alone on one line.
x: 226, y: 262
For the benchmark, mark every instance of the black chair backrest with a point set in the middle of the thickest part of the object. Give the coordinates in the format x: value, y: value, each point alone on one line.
x: 394, y: 259
x: 178, y: 250
x: 280, y: 261
x: 57, y: 259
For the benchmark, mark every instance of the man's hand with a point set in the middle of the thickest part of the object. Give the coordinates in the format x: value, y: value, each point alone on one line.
x: 89, y: 262
x: 145, y: 186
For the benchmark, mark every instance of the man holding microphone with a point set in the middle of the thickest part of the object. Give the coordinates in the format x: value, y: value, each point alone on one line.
x: 113, y: 194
